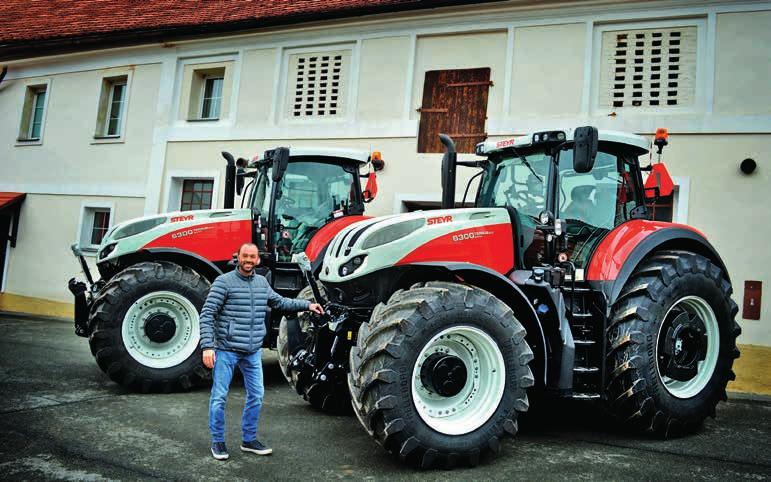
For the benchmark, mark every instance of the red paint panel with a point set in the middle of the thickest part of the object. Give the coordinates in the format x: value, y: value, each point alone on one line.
x: 213, y: 241
x: 324, y: 235
x: 616, y: 247
x: 491, y: 246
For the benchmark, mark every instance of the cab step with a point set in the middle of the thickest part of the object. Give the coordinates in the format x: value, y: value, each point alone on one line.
x: 586, y: 396
x: 584, y: 342
x: 586, y: 369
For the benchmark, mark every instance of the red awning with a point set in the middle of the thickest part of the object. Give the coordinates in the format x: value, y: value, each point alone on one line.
x: 10, y: 204
x: 8, y: 199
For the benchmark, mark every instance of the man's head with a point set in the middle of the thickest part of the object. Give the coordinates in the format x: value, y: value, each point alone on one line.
x: 248, y: 258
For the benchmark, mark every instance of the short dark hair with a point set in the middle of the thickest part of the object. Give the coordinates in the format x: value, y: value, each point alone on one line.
x: 245, y: 245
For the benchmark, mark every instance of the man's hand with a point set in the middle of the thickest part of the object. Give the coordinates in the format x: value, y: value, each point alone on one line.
x: 208, y: 358
x: 316, y: 308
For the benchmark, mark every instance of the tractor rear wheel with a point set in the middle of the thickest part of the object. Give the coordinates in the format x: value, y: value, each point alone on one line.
x: 439, y: 374
x: 146, y: 328
x: 672, y: 342
x: 329, y: 396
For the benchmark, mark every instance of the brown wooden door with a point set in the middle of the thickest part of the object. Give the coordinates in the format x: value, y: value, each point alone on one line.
x: 454, y: 103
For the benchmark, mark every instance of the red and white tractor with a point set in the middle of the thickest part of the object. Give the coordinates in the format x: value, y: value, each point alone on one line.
x: 141, y: 317
x: 439, y: 323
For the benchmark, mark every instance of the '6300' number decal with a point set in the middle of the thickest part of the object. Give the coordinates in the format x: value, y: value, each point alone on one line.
x: 472, y: 235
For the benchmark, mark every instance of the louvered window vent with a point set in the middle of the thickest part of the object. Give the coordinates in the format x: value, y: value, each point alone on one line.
x: 648, y: 68
x: 318, y: 84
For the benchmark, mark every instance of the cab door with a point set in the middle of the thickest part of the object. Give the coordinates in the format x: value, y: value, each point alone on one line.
x: 592, y: 204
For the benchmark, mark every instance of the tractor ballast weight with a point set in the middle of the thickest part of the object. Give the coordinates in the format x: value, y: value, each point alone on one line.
x: 141, y: 316
x: 440, y: 322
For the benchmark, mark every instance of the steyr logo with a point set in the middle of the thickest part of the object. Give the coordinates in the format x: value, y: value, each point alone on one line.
x: 177, y: 219
x: 439, y: 220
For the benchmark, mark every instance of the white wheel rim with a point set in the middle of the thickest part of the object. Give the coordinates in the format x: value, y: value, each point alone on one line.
x: 481, y: 395
x: 706, y: 367
x: 169, y: 353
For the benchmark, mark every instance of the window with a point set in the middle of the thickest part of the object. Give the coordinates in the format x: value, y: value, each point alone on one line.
x: 212, y: 97
x: 455, y: 103
x: 318, y: 84
x: 207, y: 99
x: 653, y: 67
x: 96, y: 221
x: 593, y: 203
x: 112, y: 106
x: 196, y: 194
x: 33, y: 113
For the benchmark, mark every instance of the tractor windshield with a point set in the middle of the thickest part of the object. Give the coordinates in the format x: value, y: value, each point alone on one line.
x: 517, y: 182
x: 311, y: 193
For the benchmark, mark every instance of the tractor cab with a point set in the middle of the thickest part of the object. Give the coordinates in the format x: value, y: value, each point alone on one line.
x: 550, y: 182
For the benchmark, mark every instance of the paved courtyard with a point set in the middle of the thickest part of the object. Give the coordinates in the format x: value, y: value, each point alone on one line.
x: 63, y: 419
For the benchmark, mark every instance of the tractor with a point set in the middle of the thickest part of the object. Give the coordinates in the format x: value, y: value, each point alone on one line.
x: 141, y: 316
x: 556, y: 283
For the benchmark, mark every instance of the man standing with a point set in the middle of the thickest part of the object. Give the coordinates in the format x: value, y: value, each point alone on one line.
x: 233, y: 325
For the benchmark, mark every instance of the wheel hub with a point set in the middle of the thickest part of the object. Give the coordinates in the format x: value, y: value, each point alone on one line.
x: 444, y: 374
x: 160, y: 328
x: 683, y: 346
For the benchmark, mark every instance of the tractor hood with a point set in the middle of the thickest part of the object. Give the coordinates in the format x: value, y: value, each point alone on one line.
x: 167, y: 230
x: 481, y: 236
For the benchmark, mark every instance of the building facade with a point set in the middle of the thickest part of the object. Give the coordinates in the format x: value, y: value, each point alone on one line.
x: 95, y: 137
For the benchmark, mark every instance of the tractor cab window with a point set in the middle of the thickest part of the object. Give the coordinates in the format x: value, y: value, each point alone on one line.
x: 311, y: 194
x: 593, y: 203
x: 518, y: 183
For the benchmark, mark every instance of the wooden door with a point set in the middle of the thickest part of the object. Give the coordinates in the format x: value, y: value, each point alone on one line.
x: 454, y: 103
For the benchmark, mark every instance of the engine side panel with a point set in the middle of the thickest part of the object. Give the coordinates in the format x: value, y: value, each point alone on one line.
x: 490, y: 246
x: 215, y: 241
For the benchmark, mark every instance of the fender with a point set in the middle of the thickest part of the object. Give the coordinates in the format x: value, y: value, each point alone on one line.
x: 508, y: 292
x: 203, y: 266
x: 624, y: 248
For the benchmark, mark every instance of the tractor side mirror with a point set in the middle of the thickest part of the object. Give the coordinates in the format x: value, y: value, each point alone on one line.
x: 280, y: 161
x: 449, y: 162
x: 584, y: 148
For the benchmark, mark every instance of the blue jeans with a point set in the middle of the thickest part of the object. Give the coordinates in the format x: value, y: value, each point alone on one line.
x: 251, y: 368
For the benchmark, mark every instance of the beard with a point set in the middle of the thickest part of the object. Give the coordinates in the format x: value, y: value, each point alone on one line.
x: 247, y: 267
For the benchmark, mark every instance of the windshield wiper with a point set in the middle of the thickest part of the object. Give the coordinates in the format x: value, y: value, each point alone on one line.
x: 527, y: 164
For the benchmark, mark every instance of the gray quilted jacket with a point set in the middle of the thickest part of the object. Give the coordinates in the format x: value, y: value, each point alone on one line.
x: 235, y: 313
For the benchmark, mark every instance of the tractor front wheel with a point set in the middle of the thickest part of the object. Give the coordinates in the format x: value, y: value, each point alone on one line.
x: 146, y: 327
x: 439, y: 374
x: 672, y: 342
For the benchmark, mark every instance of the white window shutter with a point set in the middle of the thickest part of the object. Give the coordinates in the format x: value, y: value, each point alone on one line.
x: 651, y: 68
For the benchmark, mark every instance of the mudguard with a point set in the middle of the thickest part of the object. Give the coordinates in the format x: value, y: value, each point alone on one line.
x: 622, y: 250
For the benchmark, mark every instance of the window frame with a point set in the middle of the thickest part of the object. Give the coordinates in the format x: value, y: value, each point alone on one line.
x: 182, y: 197
x: 31, y: 93
x: 121, y: 112
x: 206, y: 78
x: 347, y: 100
x: 88, y: 210
x: 175, y: 180
x: 700, y: 104
x: 104, y: 106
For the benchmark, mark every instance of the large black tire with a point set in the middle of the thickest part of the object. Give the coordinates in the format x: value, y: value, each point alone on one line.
x: 108, y: 316
x: 387, y: 351
x: 331, y: 396
x: 637, y: 394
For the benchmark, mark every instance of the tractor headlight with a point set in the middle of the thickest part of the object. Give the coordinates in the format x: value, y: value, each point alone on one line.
x: 105, y: 252
x: 138, y: 227
x: 392, y: 233
x: 352, y: 265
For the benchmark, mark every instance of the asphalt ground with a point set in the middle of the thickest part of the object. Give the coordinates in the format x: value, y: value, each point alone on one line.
x: 62, y: 418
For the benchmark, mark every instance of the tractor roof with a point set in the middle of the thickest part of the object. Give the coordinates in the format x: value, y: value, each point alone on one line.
x: 641, y: 144
x: 358, y: 155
